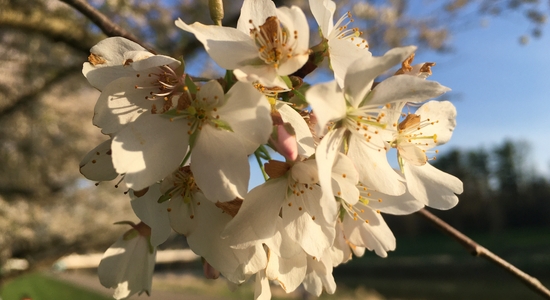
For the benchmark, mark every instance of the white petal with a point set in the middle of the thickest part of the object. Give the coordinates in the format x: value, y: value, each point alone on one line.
x: 294, y: 20
x: 247, y: 111
x: 432, y: 186
x: 373, y: 167
x: 363, y: 71
x: 319, y: 276
x: 182, y: 214
x: 374, y: 235
x: 121, y: 103
x: 220, y: 165
x: 305, y: 172
x: 101, y: 77
x: 443, y: 113
x: 128, y: 267
x: 206, y: 241
x: 256, y: 11
x: 154, y: 61
x: 259, y: 212
x: 228, y: 47
x: 343, y: 52
x: 97, y: 164
x: 344, y: 179
x: 328, y: 104
x: 405, y: 88
x: 149, y: 149
x: 112, y: 50
x: 325, y: 155
x: 396, y: 205
x: 289, y: 272
x: 152, y: 213
x: 323, y: 12
x: 211, y: 94
x: 314, y: 235
x: 262, y: 291
x: 340, y: 252
x: 306, y: 145
x: 261, y: 73
x: 411, y: 153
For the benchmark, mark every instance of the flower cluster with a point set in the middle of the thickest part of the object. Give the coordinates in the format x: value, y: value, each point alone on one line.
x: 182, y: 147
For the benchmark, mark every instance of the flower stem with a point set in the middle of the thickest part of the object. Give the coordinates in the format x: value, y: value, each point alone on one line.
x: 260, y: 164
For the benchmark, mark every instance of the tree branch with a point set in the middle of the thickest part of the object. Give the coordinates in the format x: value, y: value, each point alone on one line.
x: 478, y: 250
x: 103, y: 22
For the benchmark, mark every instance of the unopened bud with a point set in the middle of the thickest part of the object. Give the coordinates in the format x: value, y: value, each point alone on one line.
x: 209, y: 271
x: 216, y: 11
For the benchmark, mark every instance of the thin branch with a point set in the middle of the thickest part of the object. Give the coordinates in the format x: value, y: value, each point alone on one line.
x: 107, y: 26
x: 478, y: 250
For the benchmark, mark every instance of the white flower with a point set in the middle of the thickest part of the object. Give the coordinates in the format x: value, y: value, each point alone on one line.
x: 268, y: 42
x: 319, y: 275
x: 293, y: 194
x: 201, y: 221
x: 431, y: 125
x: 344, y: 44
x: 222, y: 131
x: 127, y: 266
x: 357, y: 116
x: 132, y: 80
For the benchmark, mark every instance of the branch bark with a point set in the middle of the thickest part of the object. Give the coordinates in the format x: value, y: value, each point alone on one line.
x: 107, y: 26
x: 477, y: 250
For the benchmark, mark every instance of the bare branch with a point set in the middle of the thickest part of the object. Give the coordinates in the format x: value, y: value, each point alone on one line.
x: 103, y: 22
x: 478, y: 250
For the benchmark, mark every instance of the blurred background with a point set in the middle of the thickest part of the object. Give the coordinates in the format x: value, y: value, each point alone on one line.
x: 494, y: 54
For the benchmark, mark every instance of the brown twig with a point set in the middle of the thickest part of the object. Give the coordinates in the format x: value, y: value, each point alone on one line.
x: 103, y: 22
x: 478, y: 250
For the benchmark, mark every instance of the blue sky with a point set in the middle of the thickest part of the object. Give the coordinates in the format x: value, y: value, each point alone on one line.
x: 498, y: 86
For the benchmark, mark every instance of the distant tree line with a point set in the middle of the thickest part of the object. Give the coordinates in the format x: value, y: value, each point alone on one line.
x: 502, y: 191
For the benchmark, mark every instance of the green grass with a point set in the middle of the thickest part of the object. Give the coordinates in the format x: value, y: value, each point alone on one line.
x: 41, y: 287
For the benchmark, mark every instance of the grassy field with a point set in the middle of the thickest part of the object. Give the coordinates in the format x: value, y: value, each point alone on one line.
x: 41, y: 287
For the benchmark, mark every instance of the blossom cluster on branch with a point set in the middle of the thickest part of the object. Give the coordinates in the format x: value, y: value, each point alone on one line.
x: 182, y: 146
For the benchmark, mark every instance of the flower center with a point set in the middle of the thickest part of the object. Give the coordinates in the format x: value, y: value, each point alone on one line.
x: 273, y: 41
x: 368, y: 124
x: 341, y: 30
x: 410, y: 130
x: 182, y: 184
x: 165, y: 84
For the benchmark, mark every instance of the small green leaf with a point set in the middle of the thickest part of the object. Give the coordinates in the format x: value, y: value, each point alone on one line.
x: 222, y: 125
x: 193, y: 138
x: 164, y: 198
x: 229, y: 82
x: 190, y: 85
x: 151, y: 248
x: 287, y: 81
x: 130, y: 234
